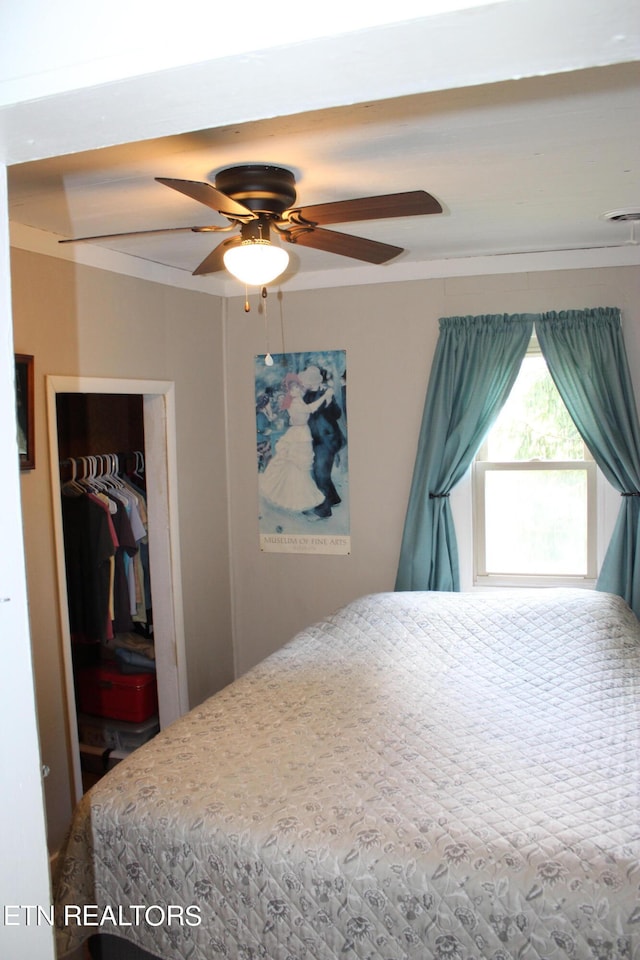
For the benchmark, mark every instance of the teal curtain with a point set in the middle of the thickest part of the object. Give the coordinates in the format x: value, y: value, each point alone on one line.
x: 476, y: 362
x: 585, y: 353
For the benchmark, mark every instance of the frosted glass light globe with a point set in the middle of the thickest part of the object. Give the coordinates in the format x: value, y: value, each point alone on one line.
x: 256, y: 262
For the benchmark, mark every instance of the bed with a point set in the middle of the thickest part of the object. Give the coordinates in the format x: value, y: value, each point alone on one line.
x: 419, y: 775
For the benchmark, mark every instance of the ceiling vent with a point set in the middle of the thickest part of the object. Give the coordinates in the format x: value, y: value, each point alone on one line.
x: 631, y: 214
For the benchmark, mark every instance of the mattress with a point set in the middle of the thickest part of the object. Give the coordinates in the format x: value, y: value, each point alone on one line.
x: 419, y: 775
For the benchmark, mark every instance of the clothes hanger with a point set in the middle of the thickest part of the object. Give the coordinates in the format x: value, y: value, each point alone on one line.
x: 95, y: 481
x: 108, y: 474
x: 115, y: 470
x: 72, y: 486
x: 139, y: 467
x: 84, y: 479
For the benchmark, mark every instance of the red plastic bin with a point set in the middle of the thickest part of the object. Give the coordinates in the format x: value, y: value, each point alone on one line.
x: 106, y: 692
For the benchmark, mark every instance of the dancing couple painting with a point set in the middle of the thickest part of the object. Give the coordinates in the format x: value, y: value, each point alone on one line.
x: 301, y: 450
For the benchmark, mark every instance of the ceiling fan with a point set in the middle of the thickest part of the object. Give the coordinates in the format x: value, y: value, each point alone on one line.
x: 258, y: 197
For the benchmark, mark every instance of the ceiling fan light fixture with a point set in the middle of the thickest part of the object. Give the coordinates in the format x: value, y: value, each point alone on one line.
x: 256, y: 262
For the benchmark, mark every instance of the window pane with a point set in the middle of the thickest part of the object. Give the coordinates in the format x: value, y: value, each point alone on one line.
x: 534, y: 423
x: 536, y: 522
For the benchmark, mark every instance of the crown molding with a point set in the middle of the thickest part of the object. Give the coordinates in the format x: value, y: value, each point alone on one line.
x: 42, y: 242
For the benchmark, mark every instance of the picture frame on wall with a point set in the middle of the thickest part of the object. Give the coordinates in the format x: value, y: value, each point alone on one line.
x: 302, y: 452
x: 24, y: 411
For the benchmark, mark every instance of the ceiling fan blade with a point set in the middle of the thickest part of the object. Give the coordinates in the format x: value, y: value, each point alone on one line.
x: 411, y: 204
x: 205, y: 193
x: 142, y: 233
x: 344, y: 244
x: 214, y: 261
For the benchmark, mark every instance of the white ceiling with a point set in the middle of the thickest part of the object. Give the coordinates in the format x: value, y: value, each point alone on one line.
x: 520, y: 166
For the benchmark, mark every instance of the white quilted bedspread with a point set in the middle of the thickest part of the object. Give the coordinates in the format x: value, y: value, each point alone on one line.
x: 420, y: 775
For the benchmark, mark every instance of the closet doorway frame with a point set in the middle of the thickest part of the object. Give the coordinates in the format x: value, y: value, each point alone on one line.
x: 164, y: 543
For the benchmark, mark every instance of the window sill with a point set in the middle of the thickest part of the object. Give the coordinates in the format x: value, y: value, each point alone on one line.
x: 586, y: 583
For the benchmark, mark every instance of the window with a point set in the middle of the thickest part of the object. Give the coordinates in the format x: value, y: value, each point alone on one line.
x: 534, y: 489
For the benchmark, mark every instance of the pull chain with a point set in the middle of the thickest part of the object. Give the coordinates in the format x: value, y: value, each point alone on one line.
x: 281, y: 300
x: 268, y: 360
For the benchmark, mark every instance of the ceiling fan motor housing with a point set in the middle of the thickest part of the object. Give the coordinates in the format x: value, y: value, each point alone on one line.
x: 261, y: 188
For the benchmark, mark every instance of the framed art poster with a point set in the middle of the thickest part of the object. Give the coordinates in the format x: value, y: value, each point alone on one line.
x: 24, y: 411
x: 302, y: 452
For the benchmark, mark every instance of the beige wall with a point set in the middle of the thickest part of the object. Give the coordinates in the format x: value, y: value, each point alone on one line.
x: 82, y: 321
x: 78, y: 320
x: 389, y: 333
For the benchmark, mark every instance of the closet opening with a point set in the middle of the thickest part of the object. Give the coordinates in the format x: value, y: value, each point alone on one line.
x: 112, y: 455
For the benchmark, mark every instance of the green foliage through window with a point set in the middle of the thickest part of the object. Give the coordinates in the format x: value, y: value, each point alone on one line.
x: 534, y: 424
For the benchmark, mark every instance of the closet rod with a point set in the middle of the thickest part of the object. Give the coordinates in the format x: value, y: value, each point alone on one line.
x: 138, y: 455
x: 102, y: 464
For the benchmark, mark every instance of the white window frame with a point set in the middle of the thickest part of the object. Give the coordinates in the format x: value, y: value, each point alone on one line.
x: 482, y: 466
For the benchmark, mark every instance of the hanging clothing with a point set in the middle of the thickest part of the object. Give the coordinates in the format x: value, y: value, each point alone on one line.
x: 127, y: 548
x: 108, y: 581
x: 89, y: 548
